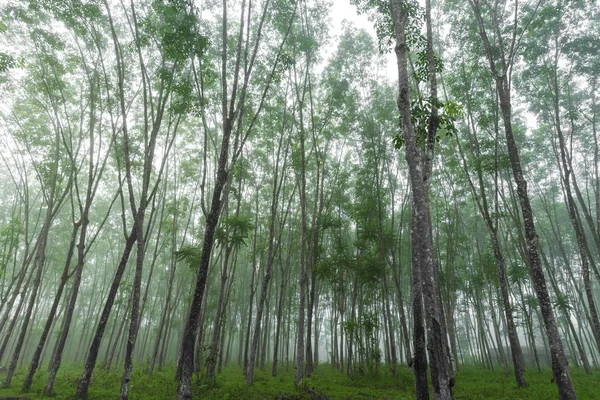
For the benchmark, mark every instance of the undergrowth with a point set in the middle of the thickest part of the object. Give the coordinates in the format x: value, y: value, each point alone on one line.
x: 472, y: 383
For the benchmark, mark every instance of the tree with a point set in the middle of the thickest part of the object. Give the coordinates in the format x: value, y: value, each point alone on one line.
x: 421, y: 236
x: 232, y: 114
x: 502, y: 79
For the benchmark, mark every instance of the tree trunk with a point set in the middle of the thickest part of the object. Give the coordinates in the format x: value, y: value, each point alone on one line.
x: 63, y: 281
x: 574, y: 215
x: 38, y: 268
x: 560, y: 368
x: 90, y: 362
x: 482, y: 204
x: 421, y: 238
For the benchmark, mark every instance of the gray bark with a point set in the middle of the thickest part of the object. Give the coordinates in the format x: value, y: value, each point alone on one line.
x: 421, y: 238
x: 560, y: 368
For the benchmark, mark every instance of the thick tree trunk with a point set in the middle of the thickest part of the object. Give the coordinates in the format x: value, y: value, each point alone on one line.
x: 421, y: 238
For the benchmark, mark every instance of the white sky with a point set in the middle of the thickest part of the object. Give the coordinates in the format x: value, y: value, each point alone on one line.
x: 342, y: 9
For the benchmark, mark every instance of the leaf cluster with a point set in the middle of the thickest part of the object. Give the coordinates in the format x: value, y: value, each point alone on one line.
x: 175, y: 29
x: 421, y: 114
x: 234, y: 230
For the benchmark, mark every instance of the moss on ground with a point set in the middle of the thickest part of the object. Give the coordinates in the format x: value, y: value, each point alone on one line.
x: 472, y: 383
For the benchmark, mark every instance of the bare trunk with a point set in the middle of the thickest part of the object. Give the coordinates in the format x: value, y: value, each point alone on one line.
x: 49, y: 321
x: 90, y: 363
x: 560, y: 368
x: 38, y: 268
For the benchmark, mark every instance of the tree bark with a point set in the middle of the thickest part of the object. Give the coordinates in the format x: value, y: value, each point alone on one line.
x: 560, y: 368
x: 421, y: 237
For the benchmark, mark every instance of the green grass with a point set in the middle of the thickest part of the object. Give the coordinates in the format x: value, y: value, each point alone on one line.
x: 472, y: 383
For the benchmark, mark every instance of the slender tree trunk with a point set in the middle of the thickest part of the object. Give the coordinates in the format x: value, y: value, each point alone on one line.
x: 265, y: 342
x: 300, y: 345
x: 560, y: 368
x: 392, y: 339
x: 38, y: 268
x: 574, y: 216
x: 211, y: 362
x: 252, y: 291
x: 63, y: 281
x: 112, y: 350
x: 13, y: 322
x: 90, y: 362
x: 271, y: 253
x: 186, y: 358
x: 278, y: 323
x: 481, y: 200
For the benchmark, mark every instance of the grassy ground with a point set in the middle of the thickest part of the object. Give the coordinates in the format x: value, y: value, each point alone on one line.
x: 472, y: 383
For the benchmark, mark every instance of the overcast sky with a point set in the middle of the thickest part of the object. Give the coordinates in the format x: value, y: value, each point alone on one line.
x: 342, y: 9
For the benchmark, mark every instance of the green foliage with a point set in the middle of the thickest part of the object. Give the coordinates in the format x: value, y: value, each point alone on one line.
x: 518, y: 273
x: 472, y: 383
x: 176, y: 30
x: 183, y: 97
x: 422, y: 66
x: 75, y: 14
x: 6, y: 62
x: 190, y: 254
x: 379, y: 11
x: 234, y: 230
x: 420, y: 113
x: 562, y: 302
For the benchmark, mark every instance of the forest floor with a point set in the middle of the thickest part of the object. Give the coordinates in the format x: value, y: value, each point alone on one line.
x: 472, y: 383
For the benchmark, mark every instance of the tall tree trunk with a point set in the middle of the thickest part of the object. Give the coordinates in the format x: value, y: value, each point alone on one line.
x: 300, y: 330
x: 252, y: 290
x: 39, y: 263
x: 560, y: 367
x: 49, y: 321
x: 390, y: 328
x: 90, y: 363
x: 573, y: 212
x: 278, y: 329
x: 482, y: 205
x: 271, y: 253
x: 186, y: 357
x: 421, y: 237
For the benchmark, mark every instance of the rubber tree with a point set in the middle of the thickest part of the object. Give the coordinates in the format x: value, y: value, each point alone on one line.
x: 233, y: 102
x: 173, y: 56
x: 419, y: 164
x: 501, y: 64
